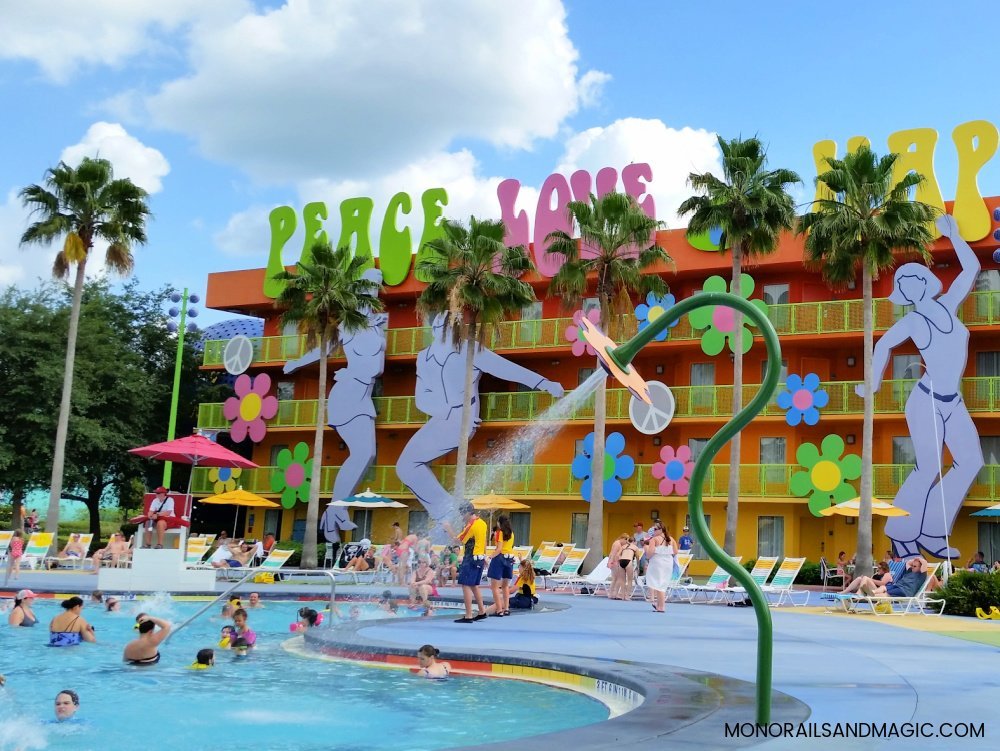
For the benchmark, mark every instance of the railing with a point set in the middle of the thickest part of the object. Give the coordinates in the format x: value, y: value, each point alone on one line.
x: 556, y: 480
x: 980, y: 394
x: 830, y: 317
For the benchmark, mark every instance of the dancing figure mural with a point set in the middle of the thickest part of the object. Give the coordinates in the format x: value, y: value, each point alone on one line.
x: 936, y: 414
x: 350, y: 409
x: 439, y: 394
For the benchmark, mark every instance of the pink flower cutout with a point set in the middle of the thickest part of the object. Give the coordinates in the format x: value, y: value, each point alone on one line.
x: 574, y: 333
x: 674, y: 471
x: 250, y: 408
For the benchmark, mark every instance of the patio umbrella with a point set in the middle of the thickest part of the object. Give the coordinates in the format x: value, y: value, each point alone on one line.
x: 368, y: 499
x: 852, y: 508
x: 989, y: 511
x: 240, y: 497
x: 493, y: 502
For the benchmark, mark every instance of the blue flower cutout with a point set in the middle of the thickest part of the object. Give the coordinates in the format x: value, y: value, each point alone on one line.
x: 803, y: 399
x: 615, y: 467
x: 653, y: 308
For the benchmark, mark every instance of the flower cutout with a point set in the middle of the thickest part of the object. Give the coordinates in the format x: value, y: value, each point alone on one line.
x: 293, y: 475
x: 653, y: 308
x: 250, y: 407
x: 574, y: 333
x: 616, y: 467
x: 803, y: 399
x: 224, y: 479
x: 674, y: 471
x: 824, y: 480
x: 719, y: 321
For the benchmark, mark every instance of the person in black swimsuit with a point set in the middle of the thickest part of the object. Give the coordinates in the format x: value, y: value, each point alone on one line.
x: 145, y: 650
x: 22, y: 614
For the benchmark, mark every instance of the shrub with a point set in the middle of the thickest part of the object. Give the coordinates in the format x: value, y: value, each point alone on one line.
x: 296, y: 558
x: 967, y: 590
x: 809, y: 574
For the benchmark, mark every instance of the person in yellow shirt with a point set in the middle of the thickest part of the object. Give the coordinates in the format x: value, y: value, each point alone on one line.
x: 470, y: 573
x: 501, y: 568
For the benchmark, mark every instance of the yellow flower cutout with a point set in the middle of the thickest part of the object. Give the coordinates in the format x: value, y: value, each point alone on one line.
x: 224, y: 479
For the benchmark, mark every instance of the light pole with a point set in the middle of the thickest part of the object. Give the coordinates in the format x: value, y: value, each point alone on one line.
x: 180, y: 326
x: 946, y: 569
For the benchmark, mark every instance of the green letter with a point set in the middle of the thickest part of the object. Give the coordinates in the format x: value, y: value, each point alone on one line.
x: 282, y: 221
x: 433, y: 202
x: 312, y: 215
x: 395, y: 248
x: 355, y: 216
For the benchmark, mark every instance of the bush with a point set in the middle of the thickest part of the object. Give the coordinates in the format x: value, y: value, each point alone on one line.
x: 809, y: 574
x: 748, y: 565
x: 295, y: 561
x: 967, y: 590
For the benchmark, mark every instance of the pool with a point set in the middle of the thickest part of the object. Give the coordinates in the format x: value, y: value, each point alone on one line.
x: 276, y: 699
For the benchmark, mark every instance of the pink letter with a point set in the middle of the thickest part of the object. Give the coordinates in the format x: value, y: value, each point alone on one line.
x: 580, y: 182
x: 518, y: 227
x: 607, y: 180
x: 634, y: 187
x: 548, y: 220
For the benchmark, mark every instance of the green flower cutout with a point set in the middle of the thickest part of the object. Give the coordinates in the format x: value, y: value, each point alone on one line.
x: 824, y: 480
x: 719, y: 321
x: 293, y: 475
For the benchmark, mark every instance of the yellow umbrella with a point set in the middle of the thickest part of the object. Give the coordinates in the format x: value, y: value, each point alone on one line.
x: 239, y: 497
x: 852, y: 507
x: 493, y: 502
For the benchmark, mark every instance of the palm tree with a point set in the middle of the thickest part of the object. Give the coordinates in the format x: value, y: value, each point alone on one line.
x: 474, y: 278
x: 751, y: 205
x: 869, y: 216
x: 321, y: 296
x: 85, y: 205
x: 622, y: 252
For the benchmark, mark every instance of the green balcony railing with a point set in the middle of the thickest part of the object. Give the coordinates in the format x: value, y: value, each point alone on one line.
x: 834, y: 316
x: 556, y: 480
x: 980, y: 394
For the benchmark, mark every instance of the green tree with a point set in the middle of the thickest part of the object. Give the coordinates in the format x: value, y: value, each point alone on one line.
x: 322, y: 295
x: 752, y: 207
x: 867, y: 217
x: 473, y: 277
x: 84, y: 205
x: 622, y: 254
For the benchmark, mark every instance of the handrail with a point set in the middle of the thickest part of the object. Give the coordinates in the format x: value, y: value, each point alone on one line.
x: 253, y: 572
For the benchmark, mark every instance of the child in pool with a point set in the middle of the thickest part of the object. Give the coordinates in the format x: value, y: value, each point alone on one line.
x: 429, y: 666
x: 226, y: 636
x: 241, y: 649
x: 203, y: 660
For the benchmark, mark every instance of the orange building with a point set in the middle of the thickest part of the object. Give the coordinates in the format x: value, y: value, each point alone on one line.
x: 820, y: 332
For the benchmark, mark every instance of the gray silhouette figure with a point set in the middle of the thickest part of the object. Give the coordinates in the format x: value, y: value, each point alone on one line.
x: 943, y: 342
x: 439, y: 394
x: 349, y: 407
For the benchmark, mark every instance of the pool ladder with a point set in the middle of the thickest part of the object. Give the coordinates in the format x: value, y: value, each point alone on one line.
x: 254, y: 572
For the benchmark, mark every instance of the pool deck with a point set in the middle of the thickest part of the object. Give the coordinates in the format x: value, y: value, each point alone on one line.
x: 846, y: 668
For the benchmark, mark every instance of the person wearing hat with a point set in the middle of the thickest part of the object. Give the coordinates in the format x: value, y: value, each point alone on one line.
x: 470, y: 572
x: 22, y: 614
x: 684, y: 541
x: 160, y: 517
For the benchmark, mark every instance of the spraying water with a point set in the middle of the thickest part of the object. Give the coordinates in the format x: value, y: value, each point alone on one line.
x: 484, y: 478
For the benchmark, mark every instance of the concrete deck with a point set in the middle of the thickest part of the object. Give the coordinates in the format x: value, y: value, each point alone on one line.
x: 845, y: 668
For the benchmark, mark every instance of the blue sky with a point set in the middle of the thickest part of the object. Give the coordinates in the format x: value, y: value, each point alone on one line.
x: 231, y: 110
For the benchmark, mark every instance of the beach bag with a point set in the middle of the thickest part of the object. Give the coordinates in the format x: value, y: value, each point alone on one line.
x: 883, y: 608
x: 265, y: 577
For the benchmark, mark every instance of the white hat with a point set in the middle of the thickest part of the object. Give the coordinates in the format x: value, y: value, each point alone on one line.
x: 366, y: 543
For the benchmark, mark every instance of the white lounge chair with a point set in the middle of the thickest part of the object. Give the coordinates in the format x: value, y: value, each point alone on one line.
x: 762, y: 569
x: 36, y: 549
x: 889, y: 605
x: 569, y: 568
x: 712, y: 591
x: 781, y: 584
x: 599, y: 577
x: 5, y: 538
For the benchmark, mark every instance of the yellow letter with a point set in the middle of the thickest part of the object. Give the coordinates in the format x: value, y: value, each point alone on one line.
x: 916, y: 154
x: 822, y: 151
x: 976, y: 143
x: 856, y: 142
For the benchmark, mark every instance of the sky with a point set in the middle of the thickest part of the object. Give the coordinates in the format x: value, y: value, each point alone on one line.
x: 224, y: 110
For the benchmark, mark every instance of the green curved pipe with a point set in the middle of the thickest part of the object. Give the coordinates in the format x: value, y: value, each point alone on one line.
x: 622, y: 356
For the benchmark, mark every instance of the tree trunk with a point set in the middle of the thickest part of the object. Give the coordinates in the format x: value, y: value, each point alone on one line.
x: 863, y: 555
x: 309, y: 553
x: 595, y: 514
x: 93, y: 504
x: 62, y: 427
x: 733, y: 499
x: 17, y: 505
x: 463, y: 438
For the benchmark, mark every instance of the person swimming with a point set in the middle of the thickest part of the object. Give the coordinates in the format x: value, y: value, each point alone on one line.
x: 145, y: 650
x: 429, y: 666
x: 69, y: 628
x: 203, y: 660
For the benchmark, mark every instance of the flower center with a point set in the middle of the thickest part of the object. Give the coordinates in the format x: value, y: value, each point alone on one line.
x: 826, y: 475
x: 250, y: 407
x: 609, y: 466
x: 225, y: 473
x: 655, y: 312
x: 802, y: 399
x: 295, y: 475
x: 724, y: 319
x: 675, y: 470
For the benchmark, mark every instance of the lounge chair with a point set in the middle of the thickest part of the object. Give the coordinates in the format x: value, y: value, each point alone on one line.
x: 36, y: 549
x: 5, y: 538
x: 54, y: 561
x: 889, y: 605
x: 762, y: 569
x: 712, y: 590
x: 196, y: 550
x: 677, y: 579
x: 781, y: 584
x: 545, y: 558
x: 599, y: 577
x: 569, y: 568
x: 538, y: 551
x: 828, y: 574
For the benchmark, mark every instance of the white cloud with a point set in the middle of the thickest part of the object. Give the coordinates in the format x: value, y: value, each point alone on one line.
x: 592, y: 85
x: 341, y: 91
x: 247, y: 233
x: 142, y: 164
x: 673, y: 154
x: 21, y: 266
x: 64, y: 36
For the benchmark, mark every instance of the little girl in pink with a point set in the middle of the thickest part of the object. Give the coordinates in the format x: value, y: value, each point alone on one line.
x: 14, y: 553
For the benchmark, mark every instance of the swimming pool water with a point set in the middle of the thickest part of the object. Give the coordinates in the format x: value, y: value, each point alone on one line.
x: 274, y: 699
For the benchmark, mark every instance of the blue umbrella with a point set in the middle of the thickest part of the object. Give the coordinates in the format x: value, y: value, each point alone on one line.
x: 991, y: 511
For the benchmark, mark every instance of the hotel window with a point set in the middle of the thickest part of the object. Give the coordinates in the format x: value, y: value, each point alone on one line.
x: 529, y: 328
x: 520, y: 522
x: 781, y: 317
x: 989, y: 540
x: 289, y: 343
x: 272, y: 521
x: 697, y: 551
x: 904, y: 368
x: 703, y: 387
x: 590, y: 303
x: 523, y: 458
x: 991, y: 456
x: 782, y: 374
x: 696, y: 445
x: 363, y: 518
x: 772, y: 454
x: 903, y: 458
x: 285, y: 391
x: 275, y: 450
x: 583, y: 374
x: 988, y: 303
x: 770, y: 536
x: 419, y: 522
x: 578, y: 530
x: 988, y: 364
